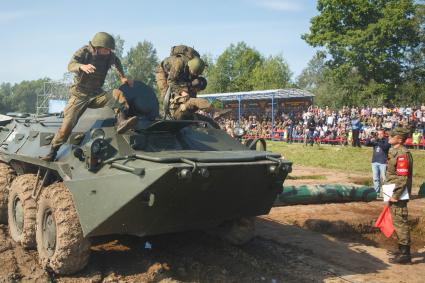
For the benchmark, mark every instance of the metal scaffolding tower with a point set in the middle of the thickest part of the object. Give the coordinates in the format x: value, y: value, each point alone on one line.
x: 53, y: 90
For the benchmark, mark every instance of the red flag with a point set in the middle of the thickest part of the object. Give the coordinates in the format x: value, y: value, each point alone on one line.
x: 385, y: 222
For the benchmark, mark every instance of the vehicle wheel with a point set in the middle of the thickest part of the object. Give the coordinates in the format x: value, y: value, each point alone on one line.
x: 60, y: 242
x: 239, y: 231
x: 7, y: 174
x: 21, y: 210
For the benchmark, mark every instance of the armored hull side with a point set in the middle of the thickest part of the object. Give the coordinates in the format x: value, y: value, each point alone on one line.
x: 162, y: 202
x: 137, y: 186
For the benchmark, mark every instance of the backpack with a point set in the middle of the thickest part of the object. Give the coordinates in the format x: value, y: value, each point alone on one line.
x: 183, y: 50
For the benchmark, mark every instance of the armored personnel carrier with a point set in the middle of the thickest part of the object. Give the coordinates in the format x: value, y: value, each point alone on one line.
x: 164, y: 176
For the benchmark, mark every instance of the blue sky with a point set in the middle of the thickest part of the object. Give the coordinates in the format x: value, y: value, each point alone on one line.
x: 39, y: 37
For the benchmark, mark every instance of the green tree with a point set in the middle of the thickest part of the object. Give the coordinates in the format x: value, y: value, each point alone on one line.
x: 272, y: 73
x: 5, y: 94
x: 209, y: 61
x: 22, y: 97
x: 141, y: 62
x: 313, y: 75
x: 112, y: 78
x: 371, y: 38
x: 320, y: 79
x: 233, y: 69
x: 413, y: 90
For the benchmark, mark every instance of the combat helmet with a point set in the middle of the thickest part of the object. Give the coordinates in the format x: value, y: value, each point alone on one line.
x: 103, y: 39
x: 196, y: 65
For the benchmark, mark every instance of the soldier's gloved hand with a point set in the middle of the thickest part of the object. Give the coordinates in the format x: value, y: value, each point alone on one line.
x: 184, y: 93
x: 88, y: 69
x: 124, y: 80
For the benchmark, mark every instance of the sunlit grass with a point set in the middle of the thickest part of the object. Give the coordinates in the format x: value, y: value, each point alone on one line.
x: 309, y: 177
x: 344, y: 158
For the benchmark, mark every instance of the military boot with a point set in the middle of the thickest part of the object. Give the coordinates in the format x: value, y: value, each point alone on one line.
x: 123, y: 123
x: 51, y: 155
x: 394, y: 252
x: 403, y: 257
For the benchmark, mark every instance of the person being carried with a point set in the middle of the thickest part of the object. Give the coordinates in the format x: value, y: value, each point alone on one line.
x: 181, y: 72
x: 399, y: 173
x: 91, y: 64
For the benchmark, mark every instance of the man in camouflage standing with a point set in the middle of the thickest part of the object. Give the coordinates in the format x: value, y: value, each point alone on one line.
x: 91, y: 64
x: 400, y: 172
x: 181, y: 72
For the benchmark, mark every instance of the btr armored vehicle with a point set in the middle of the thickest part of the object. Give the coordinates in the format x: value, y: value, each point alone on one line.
x: 164, y: 176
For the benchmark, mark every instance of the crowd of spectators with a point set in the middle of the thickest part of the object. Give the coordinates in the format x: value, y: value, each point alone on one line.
x: 325, y: 125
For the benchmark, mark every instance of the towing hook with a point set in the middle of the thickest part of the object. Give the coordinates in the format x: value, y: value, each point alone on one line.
x: 204, y: 172
x: 275, y: 168
x: 191, y: 163
x: 185, y: 174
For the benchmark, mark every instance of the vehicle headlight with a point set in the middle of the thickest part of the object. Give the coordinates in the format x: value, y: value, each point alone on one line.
x: 96, y: 146
x: 238, y: 132
x: 97, y: 134
x: 93, y: 154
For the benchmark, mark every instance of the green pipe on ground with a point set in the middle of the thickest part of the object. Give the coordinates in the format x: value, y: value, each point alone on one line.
x: 422, y: 190
x: 309, y: 194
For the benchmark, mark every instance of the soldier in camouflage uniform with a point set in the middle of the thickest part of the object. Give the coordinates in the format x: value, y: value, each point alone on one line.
x: 91, y: 64
x: 182, y: 76
x: 400, y: 172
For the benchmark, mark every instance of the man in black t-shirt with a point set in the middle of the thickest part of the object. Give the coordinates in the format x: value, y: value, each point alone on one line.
x: 379, y: 159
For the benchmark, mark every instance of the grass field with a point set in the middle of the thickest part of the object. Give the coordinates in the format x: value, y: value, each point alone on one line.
x: 342, y: 158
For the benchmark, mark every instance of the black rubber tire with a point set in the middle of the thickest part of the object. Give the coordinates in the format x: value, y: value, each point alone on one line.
x: 238, y: 232
x: 71, y: 250
x: 21, y: 189
x: 7, y: 174
x: 262, y: 143
x: 248, y: 142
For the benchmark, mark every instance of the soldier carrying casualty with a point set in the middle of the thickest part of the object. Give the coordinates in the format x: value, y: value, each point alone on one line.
x: 91, y: 64
x: 181, y: 72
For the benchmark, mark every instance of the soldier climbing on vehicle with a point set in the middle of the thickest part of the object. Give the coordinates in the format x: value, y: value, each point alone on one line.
x: 91, y: 64
x: 180, y: 75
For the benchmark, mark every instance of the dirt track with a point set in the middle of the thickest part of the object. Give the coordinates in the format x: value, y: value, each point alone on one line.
x: 311, y: 243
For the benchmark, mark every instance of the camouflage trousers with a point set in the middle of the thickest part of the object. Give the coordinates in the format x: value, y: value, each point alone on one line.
x: 399, y: 214
x: 77, y: 105
x: 161, y: 81
x: 184, y: 110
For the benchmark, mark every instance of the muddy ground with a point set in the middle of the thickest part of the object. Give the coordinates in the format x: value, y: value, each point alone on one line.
x: 305, y: 243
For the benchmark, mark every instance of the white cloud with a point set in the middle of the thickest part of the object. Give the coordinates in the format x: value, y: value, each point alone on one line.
x: 281, y: 5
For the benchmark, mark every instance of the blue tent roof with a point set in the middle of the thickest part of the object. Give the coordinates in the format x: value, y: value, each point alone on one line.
x: 260, y: 94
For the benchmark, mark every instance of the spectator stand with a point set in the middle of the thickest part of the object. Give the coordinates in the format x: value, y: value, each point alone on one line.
x: 279, y: 99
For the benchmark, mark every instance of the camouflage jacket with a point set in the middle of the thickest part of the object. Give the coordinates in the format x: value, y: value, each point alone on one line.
x: 401, y: 181
x: 91, y: 84
x: 177, y: 74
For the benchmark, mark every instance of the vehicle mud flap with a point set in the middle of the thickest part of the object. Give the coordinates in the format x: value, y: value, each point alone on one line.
x: 7, y: 175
